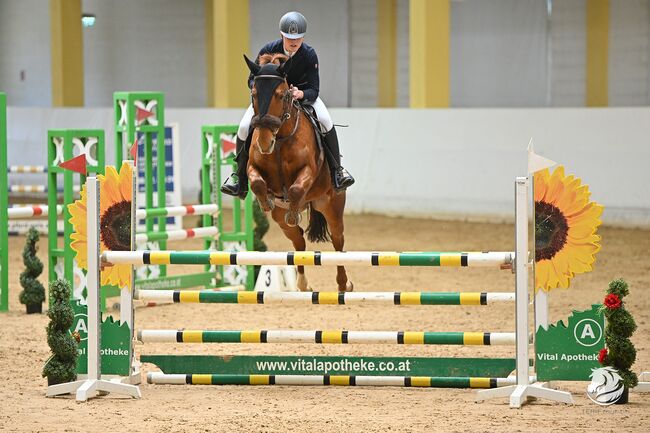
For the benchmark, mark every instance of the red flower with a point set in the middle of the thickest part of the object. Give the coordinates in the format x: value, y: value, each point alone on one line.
x: 612, y: 301
x: 602, y: 355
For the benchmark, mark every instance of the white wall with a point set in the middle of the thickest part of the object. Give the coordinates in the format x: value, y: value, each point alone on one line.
x: 403, y: 53
x: 457, y: 163
x: 25, y: 46
x: 498, y: 50
x: 463, y: 162
x: 629, y: 45
x: 146, y: 45
x: 568, y: 59
x: 363, y: 53
x: 498, y: 53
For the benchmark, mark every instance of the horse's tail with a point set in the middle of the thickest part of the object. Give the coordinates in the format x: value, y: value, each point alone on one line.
x: 317, y: 230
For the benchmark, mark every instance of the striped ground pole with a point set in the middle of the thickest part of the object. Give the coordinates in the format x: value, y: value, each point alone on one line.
x: 172, y: 211
x: 31, y: 211
x: 26, y: 169
x: 324, y: 298
x: 326, y: 337
x: 175, y: 235
x: 309, y: 258
x: 36, y: 188
x: 311, y: 380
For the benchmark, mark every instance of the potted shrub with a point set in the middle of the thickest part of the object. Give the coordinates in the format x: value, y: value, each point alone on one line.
x: 61, y: 366
x: 620, y: 352
x: 33, y: 293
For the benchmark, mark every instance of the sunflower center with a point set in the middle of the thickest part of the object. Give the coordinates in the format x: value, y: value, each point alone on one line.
x: 115, y: 226
x: 551, y: 229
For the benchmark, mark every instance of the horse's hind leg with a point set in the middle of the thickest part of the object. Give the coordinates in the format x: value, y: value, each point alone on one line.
x: 295, y: 235
x: 333, y: 213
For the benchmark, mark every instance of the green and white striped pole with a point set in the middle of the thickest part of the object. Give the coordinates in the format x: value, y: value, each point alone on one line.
x: 334, y: 380
x: 324, y: 298
x: 327, y: 337
x: 310, y: 258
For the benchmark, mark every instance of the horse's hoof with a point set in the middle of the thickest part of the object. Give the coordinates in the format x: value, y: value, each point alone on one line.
x: 306, y: 288
x: 301, y: 283
x: 348, y: 287
x: 292, y: 218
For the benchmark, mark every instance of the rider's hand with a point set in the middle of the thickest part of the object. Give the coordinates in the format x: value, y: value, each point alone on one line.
x: 296, y: 92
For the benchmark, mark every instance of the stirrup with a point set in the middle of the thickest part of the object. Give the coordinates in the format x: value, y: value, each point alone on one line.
x: 233, y: 187
x: 342, y: 179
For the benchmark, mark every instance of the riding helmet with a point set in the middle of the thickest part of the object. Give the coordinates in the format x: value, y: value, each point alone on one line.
x: 293, y: 25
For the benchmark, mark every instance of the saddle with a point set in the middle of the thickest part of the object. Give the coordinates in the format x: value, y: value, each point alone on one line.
x: 310, y: 112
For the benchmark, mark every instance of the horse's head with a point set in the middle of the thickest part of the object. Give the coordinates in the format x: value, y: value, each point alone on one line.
x: 271, y: 99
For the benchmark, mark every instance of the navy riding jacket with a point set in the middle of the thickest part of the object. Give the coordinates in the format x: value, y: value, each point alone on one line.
x: 303, y: 73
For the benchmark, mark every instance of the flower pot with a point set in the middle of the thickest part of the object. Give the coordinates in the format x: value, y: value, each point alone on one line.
x: 34, y: 308
x: 624, y: 397
x: 51, y: 380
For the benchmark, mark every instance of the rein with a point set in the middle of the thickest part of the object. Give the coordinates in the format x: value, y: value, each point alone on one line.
x: 286, y: 116
x: 278, y: 156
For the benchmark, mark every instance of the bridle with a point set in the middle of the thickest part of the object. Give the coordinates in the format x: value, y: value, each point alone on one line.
x: 274, y: 123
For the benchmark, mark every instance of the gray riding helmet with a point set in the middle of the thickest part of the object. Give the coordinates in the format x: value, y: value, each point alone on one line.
x: 293, y: 25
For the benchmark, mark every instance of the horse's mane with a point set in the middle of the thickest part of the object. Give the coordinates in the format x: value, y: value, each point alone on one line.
x: 276, y: 58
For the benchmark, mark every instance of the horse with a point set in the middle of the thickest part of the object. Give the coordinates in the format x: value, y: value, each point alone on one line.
x: 287, y: 169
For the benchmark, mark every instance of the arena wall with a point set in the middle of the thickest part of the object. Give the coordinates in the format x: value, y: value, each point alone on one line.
x: 456, y: 163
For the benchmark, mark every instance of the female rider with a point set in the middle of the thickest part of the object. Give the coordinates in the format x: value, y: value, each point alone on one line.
x: 304, y: 83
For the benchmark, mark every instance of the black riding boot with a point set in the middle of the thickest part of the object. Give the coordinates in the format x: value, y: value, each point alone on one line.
x: 237, y: 183
x: 341, y: 179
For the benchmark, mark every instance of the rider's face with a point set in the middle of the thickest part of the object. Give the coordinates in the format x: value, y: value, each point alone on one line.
x: 292, y: 45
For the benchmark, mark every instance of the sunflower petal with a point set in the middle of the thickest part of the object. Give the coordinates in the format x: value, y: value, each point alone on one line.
x: 577, y: 255
x: 126, y: 179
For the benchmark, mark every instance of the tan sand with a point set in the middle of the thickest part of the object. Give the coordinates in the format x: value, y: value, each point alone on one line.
x: 23, y: 349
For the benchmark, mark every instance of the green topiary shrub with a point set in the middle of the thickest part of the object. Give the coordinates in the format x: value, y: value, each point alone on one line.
x: 61, y: 366
x: 620, y: 352
x: 33, y: 293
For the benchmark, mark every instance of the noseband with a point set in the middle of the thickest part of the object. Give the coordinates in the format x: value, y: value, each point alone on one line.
x: 272, y: 122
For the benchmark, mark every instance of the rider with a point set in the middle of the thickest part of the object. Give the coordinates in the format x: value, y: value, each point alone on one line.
x: 304, y: 82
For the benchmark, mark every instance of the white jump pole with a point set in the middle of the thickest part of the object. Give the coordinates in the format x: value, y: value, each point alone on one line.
x: 520, y: 392
x: 644, y: 383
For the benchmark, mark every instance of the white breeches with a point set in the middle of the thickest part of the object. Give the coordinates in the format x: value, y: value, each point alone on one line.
x: 320, y: 108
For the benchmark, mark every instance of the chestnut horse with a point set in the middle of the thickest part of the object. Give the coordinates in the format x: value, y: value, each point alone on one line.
x: 287, y: 170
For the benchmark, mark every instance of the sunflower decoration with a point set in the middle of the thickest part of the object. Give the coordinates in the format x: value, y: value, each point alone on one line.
x: 114, y: 223
x: 566, y: 222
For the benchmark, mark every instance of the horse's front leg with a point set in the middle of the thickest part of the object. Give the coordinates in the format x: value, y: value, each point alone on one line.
x: 260, y: 189
x: 297, y: 192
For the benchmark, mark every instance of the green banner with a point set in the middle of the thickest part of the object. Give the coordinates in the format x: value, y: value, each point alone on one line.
x: 334, y: 365
x: 114, y: 341
x: 172, y: 282
x: 570, y: 352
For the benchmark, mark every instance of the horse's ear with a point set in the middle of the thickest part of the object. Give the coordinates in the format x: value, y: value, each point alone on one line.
x: 254, y: 67
x: 285, y: 67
